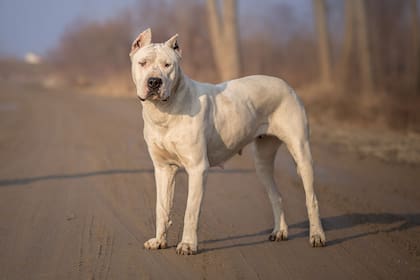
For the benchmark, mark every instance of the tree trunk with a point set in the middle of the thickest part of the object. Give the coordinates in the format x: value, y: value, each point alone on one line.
x: 348, y: 41
x: 224, y: 38
x: 324, y: 47
x: 365, y: 60
x: 416, y: 46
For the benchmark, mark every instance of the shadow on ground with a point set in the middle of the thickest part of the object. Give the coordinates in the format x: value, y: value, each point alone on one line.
x: 400, y: 222
x: 381, y: 222
x: 29, y: 180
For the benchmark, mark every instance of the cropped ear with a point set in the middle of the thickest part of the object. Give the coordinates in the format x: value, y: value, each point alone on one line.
x: 144, y: 39
x: 173, y: 44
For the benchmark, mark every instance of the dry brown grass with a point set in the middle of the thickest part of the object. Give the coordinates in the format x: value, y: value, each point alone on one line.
x: 384, y: 144
x: 383, y: 126
x: 376, y: 109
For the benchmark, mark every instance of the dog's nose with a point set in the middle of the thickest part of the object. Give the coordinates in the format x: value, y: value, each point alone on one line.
x: 154, y: 83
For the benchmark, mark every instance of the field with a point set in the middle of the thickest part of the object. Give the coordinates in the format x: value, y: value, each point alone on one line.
x: 77, y: 200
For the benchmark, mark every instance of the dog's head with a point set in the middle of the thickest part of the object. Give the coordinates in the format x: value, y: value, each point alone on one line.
x: 155, y: 67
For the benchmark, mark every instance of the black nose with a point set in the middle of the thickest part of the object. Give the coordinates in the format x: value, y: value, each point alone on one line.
x: 154, y: 83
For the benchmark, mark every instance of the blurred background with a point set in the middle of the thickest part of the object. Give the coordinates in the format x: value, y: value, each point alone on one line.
x: 354, y: 62
x: 77, y: 187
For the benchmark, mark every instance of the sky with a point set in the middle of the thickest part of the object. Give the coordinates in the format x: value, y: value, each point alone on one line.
x: 36, y: 25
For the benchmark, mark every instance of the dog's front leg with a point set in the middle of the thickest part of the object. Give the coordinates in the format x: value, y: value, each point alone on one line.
x: 196, y: 181
x: 165, y: 185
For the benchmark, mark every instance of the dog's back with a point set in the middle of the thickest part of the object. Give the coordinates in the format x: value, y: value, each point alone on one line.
x: 241, y: 110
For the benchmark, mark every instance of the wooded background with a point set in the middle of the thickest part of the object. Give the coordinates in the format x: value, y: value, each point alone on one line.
x: 351, y: 50
x: 370, y: 45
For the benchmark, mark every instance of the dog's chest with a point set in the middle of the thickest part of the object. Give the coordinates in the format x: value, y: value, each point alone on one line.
x: 164, y: 146
x: 165, y: 153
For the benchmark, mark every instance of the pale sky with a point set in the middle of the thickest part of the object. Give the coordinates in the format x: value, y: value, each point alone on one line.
x: 36, y: 25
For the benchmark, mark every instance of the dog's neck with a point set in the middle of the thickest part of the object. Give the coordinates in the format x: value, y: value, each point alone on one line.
x: 161, y: 113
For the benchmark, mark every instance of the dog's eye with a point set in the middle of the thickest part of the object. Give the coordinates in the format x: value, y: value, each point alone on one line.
x: 167, y: 65
x: 142, y: 63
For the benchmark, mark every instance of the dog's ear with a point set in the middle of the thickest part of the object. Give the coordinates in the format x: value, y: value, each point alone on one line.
x: 144, y: 39
x: 173, y: 44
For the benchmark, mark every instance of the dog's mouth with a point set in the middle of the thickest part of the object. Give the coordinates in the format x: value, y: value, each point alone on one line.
x: 154, y: 95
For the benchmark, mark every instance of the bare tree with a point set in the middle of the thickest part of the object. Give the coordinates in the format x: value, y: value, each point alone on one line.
x: 224, y: 37
x: 348, y: 42
x: 356, y: 32
x: 365, y: 61
x: 91, y: 50
x: 324, y: 47
x: 416, y: 46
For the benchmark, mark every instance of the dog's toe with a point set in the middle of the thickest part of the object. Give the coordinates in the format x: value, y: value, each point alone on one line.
x: 278, y: 235
x: 317, y: 240
x: 186, y: 249
x: 154, y: 244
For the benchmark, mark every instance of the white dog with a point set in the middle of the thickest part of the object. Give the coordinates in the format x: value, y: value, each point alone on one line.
x: 196, y: 126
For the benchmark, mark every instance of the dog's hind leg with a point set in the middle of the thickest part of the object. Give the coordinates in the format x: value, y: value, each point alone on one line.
x: 301, y: 153
x: 265, y: 149
x: 290, y: 125
x: 300, y: 150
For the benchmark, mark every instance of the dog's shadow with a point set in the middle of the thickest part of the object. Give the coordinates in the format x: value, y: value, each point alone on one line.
x: 382, y: 222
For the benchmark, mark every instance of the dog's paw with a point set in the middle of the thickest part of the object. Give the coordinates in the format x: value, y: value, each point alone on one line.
x: 186, y: 249
x: 278, y: 235
x: 317, y: 239
x: 154, y: 244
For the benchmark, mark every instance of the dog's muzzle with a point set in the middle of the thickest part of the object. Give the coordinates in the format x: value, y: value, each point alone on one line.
x: 154, y: 89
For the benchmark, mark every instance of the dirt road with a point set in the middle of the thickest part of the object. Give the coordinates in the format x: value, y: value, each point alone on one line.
x: 77, y: 202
